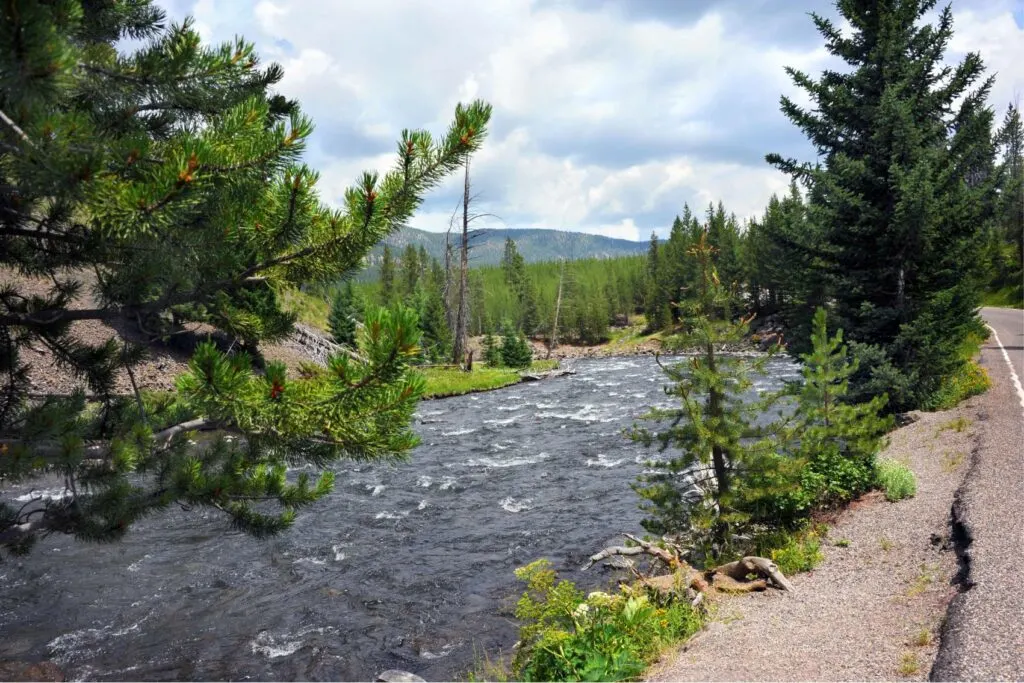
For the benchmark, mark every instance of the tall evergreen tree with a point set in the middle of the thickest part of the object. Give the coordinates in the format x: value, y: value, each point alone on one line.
x: 1009, y: 232
x: 410, y: 270
x: 342, y: 318
x: 170, y: 173
x: 902, y: 189
x: 518, y: 280
x: 657, y: 308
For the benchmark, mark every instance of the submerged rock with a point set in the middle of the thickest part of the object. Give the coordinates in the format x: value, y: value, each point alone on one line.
x: 396, y: 676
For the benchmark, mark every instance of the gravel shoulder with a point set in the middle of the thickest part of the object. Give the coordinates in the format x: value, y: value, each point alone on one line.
x: 873, y: 609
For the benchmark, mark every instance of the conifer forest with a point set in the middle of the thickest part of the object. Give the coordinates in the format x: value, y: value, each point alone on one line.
x: 204, y: 336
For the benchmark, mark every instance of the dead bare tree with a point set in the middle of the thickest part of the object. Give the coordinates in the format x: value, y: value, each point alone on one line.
x: 459, y: 345
x: 553, y: 340
x: 458, y: 314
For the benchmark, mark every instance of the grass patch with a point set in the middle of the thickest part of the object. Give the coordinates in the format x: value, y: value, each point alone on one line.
x: 958, y: 425
x: 885, y: 544
x: 970, y: 379
x: 922, y: 582
x: 544, y: 364
x: 625, y: 340
x: 922, y: 638
x: 909, y: 664
x: 951, y: 460
x: 895, y: 479
x: 311, y: 310
x: 793, y: 551
x: 443, y: 382
x: 1006, y: 297
x: 842, y: 543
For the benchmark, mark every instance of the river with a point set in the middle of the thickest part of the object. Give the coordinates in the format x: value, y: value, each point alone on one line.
x: 406, y: 566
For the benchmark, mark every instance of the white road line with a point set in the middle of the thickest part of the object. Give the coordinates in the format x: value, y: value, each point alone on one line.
x: 1009, y: 364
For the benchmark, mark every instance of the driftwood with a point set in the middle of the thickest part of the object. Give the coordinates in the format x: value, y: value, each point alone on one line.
x: 742, y: 576
x: 726, y: 584
x: 759, y: 566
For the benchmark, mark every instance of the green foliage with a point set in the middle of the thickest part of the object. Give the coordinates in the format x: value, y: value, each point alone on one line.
x: 171, y: 173
x: 1004, y: 297
x: 710, y: 490
x: 455, y: 381
x: 492, y: 351
x: 969, y: 379
x: 793, y: 551
x: 515, y: 350
x: 342, y: 319
x: 895, y: 479
x: 901, y: 194
x: 387, y: 277
x: 837, y: 440
x: 564, y: 637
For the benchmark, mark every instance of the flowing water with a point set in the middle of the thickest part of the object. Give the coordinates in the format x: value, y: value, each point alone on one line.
x: 406, y: 566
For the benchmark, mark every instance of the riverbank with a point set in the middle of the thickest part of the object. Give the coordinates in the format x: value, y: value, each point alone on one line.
x: 452, y: 381
x: 873, y: 609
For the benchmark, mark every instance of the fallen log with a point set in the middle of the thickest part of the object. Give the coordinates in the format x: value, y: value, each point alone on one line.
x: 758, y: 566
x: 611, y: 551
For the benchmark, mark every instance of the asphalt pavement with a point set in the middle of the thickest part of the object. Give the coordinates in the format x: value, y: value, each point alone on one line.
x: 983, y: 639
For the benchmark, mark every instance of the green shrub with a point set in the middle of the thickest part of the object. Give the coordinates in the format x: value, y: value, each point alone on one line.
x: 492, y: 351
x: 793, y: 551
x: 515, y: 351
x: 895, y: 479
x: 969, y: 380
x: 566, y: 637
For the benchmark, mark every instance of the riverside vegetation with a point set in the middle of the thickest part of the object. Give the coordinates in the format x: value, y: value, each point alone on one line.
x: 173, y: 173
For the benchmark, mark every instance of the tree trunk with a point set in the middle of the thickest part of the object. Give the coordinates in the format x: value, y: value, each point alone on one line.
x: 459, y: 347
x: 553, y: 341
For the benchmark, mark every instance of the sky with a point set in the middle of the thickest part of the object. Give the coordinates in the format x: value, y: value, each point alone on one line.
x: 609, y: 115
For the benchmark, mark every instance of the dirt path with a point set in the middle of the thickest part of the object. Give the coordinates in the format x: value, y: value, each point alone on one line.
x: 873, y: 609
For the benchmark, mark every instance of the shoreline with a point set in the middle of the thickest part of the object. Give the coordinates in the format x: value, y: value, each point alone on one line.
x: 874, y: 608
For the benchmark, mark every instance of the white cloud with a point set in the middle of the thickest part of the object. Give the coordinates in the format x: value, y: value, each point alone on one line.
x: 603, y: 122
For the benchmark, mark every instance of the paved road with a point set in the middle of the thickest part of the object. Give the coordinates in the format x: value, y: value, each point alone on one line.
x: 984, y: 634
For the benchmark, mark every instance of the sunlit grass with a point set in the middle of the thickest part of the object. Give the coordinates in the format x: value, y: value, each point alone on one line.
x: 454, y: 382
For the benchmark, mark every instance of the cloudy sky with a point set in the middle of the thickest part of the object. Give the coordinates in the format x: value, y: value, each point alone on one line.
x: 608, y: 114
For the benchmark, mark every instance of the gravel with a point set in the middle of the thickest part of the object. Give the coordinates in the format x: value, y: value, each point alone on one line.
x: 873, y: 609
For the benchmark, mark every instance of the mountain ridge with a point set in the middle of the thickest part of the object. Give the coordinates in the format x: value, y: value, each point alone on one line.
x: 535, y: 244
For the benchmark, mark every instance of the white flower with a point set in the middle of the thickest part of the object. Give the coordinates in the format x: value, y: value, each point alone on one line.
x: 581, y: 612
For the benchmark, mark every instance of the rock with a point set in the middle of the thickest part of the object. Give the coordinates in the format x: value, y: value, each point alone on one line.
x: 31, y: 671
x: 618, y: 562
x: 396, y: 676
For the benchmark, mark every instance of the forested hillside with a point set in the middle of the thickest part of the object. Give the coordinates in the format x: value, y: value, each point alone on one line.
x: 488, y: 245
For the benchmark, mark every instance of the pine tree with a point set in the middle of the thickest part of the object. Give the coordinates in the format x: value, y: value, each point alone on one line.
x: 657, y: 308
x: 518, y: 280
x: 837, y: 440
x: 902, y: 191
x: 410, y: 270
x: 342, y: 318
x: 171, y: 174
x: 515, y: 351
x: 705, y: 491
x: 387, y: 277
x: 437, y: 336
x: 1008, y: 265
x: 492, y: 351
